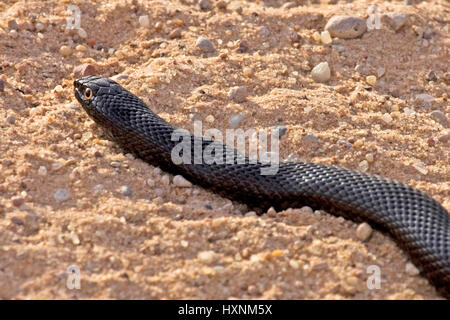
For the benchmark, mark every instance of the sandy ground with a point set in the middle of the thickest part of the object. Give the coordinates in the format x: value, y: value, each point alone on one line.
x: 166, y: 242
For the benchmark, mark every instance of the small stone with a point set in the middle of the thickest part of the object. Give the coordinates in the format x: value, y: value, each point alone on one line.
x: 13, y: 34
x: 325, y: 37
x: 222, y: 5
x: 84, y: 70
x: 408, y: 111
x: 61, y: 195
x: 2, y: 85
x: 364, y: 231
x: 205, y: 45
x: 17, y: 201
x: 42, y: 171
x: 371, y: 80
x: 346, y: 27
x: 271, y: 211
x: 80, y: 48
x: 387, y: 118
x: 180, y: 181
x: 369, y: 157
x: 431, y: 76
x: 363, y: 166
x: 82, y: 33
x: 243, y: 46
x: 74, y: 237
x: 17, y: 220
x: 98, y: 187
x: 238, y: 94
x: 40, y: 27
x: 411, y: 269
x: 440, y: 117
x: 115, y: 164
x: 428, y: 34
x: 144, y: 21
x: 310, y: 138
x: 91, y: 42
x: 294, y: 264
x: 209, y: 118
x: 165, y: 180
x: 206, y: 256
x: 424, y: 98
x: 306, y: 210
x: 175, y: 34
x: 151, y: 182
x: 10, y: 119
x: 444, y: 138
x: 316, y: 36
x: 395, y: 20
x: 248, y: 72
x: 13, y: 25
x: 184, y: 243
x: 264, y: 31
x: 125, y: 190
x: 381, y: 71
x: 419, y: 166
x: 205, y: 5
x: 65, y: 51
x: 250, y: 214
x: 321, y: 72
x: 236, y: 119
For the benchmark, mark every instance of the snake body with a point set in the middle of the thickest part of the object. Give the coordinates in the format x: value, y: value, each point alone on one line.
x: 419, y: 224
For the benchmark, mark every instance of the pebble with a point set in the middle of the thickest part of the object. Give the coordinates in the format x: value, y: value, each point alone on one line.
x: 321, y: 72
x: 346, y: 27
x: 411, y: 269
x: 371, y: 80
x: 363, y: 231
x: 419, y: 166
x: 264, y: 31
x: 151, y: 182
x: 325, y: 37
x: 424, y: 98
x: 440, y: 117
x: 206, y: 256
x: 386, y: 118
x: 115, y: 164
x: 306, y: 210
x: 42, y: 171
x: 13, y: 25
x: 363, y: 166
x: 80, y: 48
x: 205, y: 4
x: 294, y: 264
x: 205, y: 45
x: 39, y: 27
x: 248, y: 72
x: 2, y: 85
x: 74, y: 237
x: 10, y: 119
x: 61, y: 195
x: 17, y: 201
x: 83, y: 70
x: 180, y: 181
x: 17, y: 220
x: 209, y: 118
x: 165, y: 180
x: 310, y: 138
x: 91, y: 42
x: 82, y: 33
x: 444, y: 138
x: 431, y: 76
x: 238, y: 94
x: 98, y: 187
x: 222, y: 5
x: 408, y: 111
x: 144, y: 21
x: 65, y: 51
x: 381, y: 71
x: 125, y: 190
x: 271, y: 211
x: 395, y: 20
x: 243, y: 46
x: 236, y: 119
x: 175, y: 34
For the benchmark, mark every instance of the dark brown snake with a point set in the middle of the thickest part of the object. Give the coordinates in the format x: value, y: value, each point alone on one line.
x: 419, y: 224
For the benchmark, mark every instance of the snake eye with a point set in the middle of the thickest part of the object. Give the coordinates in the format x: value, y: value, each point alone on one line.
x: 88, y: 93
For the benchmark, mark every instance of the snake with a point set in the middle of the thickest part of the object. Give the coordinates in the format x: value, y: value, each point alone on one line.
x: 418, y: 224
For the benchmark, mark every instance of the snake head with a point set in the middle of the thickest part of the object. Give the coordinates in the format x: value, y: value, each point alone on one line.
x: 94, y: 93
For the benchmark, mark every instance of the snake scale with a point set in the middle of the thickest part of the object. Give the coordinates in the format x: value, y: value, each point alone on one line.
x: 419, y: 224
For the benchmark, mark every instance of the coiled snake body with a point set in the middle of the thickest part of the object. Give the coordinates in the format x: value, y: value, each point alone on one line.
x: 419, y: 224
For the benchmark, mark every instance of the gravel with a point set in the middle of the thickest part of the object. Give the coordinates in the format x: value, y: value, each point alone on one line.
x: 395, y: 20
x: 126, y: 191
x: 61, y: 195
x: 346, y: 27
x: 238, y: 94
x: 321, y: 72
x: 180, y: 181
x: 205, y: 45
x: 440, y: 117
x: 364, y: 231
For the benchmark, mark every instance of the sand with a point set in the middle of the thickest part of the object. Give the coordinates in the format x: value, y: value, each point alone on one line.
x: 166, y: 242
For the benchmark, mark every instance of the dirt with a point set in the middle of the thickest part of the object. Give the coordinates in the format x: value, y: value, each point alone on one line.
x: 167, y: 242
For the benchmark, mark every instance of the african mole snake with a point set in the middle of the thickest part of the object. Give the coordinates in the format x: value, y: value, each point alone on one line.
x: 419, y: 224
